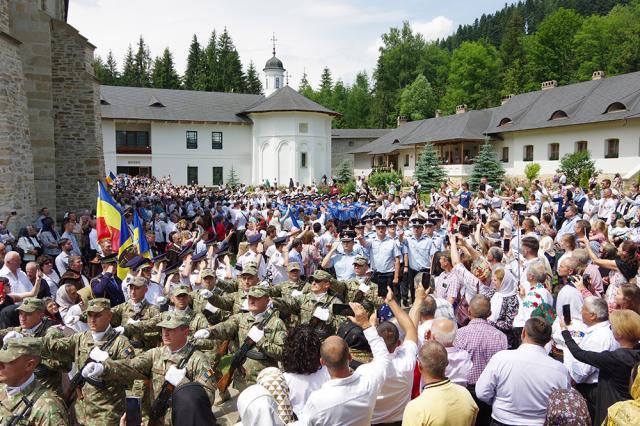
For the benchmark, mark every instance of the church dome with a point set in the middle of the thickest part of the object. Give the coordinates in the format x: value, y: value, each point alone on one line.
x: 273, y: 63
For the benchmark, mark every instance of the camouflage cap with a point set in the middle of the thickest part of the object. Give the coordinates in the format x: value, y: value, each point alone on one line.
x: 139, y: 282
x: 250, y: 268
x: 361, y: 260
x: 181, y: 289
x: 320, y: 275
x: 99, y: 305
x: 294, y: 266
x: 174, y: 319
x: 207, y: 273
x: 32, y: 304
x: 258, y: 291
x: 15, y: 348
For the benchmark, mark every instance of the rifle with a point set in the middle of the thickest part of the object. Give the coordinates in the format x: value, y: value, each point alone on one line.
x: 222, y: 351
x: 160, y: 405
x: 240, y: 356
x: 77, y: 382
x: 26, y: 411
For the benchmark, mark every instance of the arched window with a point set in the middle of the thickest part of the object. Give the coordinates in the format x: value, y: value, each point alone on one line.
x: 559, y: 114
x: 277, y: 82
x: 615, y: 107
x: 505, y: 122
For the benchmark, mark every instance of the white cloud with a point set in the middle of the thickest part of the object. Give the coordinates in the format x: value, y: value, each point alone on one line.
x: 438, y: 27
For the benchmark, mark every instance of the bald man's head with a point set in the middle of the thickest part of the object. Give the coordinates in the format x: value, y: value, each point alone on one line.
x: 480, y: 307
x: 443, y: 330
x: 334, y: 353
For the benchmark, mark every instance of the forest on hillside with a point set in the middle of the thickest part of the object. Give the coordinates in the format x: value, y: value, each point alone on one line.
x: 508, y: 52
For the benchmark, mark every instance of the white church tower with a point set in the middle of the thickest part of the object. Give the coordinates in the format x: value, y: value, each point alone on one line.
x: 274, y: 72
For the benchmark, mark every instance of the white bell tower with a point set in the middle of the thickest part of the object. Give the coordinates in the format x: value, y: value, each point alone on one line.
x: 274, y: 72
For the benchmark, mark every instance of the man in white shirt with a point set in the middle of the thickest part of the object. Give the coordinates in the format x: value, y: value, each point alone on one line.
x: 19, y: 281
x: 62, y: 260
x: 348, y: 398
x: 606, y: 205
x: 598, y: 337
x: 395, y: 392
x: 518, y: 382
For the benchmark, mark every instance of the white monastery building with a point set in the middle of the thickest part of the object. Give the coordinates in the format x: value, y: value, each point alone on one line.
x: 601, y: 115
x: 198, y: 137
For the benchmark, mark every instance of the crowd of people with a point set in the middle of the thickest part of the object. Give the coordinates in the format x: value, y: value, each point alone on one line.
x: 500, y: 305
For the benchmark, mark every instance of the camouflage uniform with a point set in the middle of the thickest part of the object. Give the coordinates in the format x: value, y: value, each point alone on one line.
x: 49, y: 371
x: 349, y: 291
x: 48, y: 409
x: 235, y: 298
x: 266, y: 353
x: 142, y: 331
x: 98, y: 406
x: 305, y: 305
x: 154, y: 364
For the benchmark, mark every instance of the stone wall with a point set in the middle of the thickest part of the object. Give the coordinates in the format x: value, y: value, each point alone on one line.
x: 79, y: 161
x: 17, y: 190
x: 32, y: 27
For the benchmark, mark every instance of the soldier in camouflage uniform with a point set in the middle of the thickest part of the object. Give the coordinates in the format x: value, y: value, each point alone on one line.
x: 357, y: 289
x: 160, y: 363
x: 211, y: 285
x: 237, y: 301
x: 293, y: 287
x: 267, y: 351
x: 315, y: 304
x: 19, y: 358
x: 97, y: 406
x: 34, y: 323
x: 137, y: 318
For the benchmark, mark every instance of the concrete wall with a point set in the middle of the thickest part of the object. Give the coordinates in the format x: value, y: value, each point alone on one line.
x: 79, y: 156
x: 595, y: 134
x: 170, y: 156
x: 341, y: 148
x: 278, y: 146
x: 17, y: 190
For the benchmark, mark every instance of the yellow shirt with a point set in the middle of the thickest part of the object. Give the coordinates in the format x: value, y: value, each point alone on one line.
x: 441, y: 404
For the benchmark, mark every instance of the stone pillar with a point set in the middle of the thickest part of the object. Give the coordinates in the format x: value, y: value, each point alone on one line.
x: 32, y: 27
x: 17, y: 191
x: 79, y: 161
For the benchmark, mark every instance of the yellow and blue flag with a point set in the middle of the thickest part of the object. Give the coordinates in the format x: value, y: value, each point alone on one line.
x: 139, y: 239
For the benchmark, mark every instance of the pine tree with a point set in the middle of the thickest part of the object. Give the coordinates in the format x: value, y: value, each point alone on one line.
x: 232, y: 180
x: 164, y: 75
x: 254, y: 85
x: 429, y: 171
x: 142, y: 61
x: 129, y: 69
x: 486, y: 164
x: 232, y: 78
x: 326, y: 88
x: 112, y: 69
x: 344, y: 174
x: 208, y: 78
x: 194, y: 67
x: 304, y: 88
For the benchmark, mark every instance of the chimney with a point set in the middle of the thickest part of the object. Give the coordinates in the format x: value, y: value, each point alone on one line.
x: 401, y: 120
x: 597, y: 75
x: 546, y: 85
x: 438, y: 113
x: 505, y: 99
x: 461, y: 109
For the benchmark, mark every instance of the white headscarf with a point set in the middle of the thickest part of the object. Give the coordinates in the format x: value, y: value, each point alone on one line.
x: 508, y: 288
x: 257, y: 407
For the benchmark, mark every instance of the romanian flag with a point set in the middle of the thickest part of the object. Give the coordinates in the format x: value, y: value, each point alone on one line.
x: 110, y: 178
x: 108, y: 218
x: 125, y: 244
x: 139, y: 239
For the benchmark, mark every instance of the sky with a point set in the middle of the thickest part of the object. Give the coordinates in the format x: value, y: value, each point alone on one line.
x: 311, y: 34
